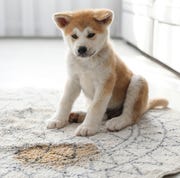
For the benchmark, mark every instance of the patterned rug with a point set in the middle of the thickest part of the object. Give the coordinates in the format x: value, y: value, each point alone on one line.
x: 149, y: 149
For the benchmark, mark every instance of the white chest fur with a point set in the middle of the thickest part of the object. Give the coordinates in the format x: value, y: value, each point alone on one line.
x: 87, y: 82
x: 91, y: 73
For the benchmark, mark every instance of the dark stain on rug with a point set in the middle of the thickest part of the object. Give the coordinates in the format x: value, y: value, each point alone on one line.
x: 58, y: 155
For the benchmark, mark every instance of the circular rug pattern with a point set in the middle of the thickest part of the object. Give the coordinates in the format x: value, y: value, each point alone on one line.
x: 151, y: 148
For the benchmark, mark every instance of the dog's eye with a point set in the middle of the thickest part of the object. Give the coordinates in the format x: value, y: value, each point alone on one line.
x: 90, y: 35
x: 74, y: 36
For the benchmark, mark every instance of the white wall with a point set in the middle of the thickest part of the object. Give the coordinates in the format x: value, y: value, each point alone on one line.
x: 33, y: 17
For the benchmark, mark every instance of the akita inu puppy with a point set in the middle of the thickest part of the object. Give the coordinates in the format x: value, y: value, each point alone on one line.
x: 94, y: 67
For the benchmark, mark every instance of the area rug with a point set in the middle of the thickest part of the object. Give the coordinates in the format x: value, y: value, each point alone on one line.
x: 149, y: 149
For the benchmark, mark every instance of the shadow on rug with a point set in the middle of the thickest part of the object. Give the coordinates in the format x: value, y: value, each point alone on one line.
x: 149, y: 149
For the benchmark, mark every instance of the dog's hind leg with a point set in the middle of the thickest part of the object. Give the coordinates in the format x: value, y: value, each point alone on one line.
x: 77, y: 117
x: 134, y: 105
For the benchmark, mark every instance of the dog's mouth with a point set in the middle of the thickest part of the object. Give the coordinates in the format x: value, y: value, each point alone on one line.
x: 88, y: 54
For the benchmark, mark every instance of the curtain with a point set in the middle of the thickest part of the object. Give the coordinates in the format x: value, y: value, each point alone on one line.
x: 33, y: 18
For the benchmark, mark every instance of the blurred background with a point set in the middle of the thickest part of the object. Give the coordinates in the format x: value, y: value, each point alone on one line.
x: 153, y: 26
x: 32, y: 18
x: 146, y: 34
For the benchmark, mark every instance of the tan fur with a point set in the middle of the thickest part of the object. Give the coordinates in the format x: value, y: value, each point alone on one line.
x: 119, y: 69
x: 141, y: 102
x: 103, y: 77
x: 83, y: 19
x: 160, y: 102
x: 121, y: 82
x: 108, y: 85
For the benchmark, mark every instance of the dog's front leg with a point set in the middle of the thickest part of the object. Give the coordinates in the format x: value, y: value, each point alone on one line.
x: 60, y: 118
x: 96, y: 110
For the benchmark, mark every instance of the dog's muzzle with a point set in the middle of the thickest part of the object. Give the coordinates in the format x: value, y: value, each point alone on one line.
x: 84, y: 52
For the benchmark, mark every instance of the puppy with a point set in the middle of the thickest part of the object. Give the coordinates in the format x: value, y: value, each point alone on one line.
x: 94, y: 67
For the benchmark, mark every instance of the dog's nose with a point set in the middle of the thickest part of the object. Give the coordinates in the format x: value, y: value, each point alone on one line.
x: 82, y: 50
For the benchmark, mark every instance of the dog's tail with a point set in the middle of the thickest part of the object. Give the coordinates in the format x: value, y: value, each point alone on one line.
x: 159, y: 102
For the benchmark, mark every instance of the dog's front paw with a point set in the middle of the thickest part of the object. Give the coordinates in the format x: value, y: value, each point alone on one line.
x: 56, y: 123
x: 117, y: 123
x: 85, y: 130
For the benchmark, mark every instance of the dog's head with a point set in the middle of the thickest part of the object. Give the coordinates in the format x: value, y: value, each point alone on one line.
x: 85, y: 31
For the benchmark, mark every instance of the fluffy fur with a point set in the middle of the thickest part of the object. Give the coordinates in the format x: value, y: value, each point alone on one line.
x: 95, y: 68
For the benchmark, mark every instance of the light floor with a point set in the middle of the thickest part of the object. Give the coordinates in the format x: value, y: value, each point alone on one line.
x: 41, y: 63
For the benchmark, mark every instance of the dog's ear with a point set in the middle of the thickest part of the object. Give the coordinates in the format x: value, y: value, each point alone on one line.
x: 62, y: 19
x: 103, y: 16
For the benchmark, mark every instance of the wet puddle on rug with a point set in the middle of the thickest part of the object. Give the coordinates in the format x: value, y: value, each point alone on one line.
x: 58, y: 155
